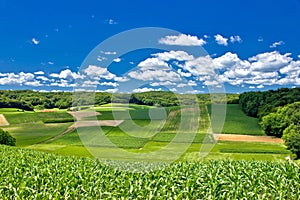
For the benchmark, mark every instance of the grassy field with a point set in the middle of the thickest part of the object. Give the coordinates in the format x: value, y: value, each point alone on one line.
x: 29, y: 127
x: 237, y: 122
x: 35, y: 132
x: 20, y: 117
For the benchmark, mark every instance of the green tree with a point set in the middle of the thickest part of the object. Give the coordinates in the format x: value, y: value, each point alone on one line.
x: 6, y: 138
x: 275, y: 123
x: 291, y: 137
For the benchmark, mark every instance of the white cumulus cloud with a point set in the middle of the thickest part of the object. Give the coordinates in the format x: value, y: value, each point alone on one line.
x: 117, y: 60
x: 221, y: 40
x: 39, y: 73
x: 145, y: 89
x: 67, y: 74
x: 98, y: 73
x: 182, y: 40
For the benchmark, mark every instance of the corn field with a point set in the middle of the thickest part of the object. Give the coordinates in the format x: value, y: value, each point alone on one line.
x: 27, y: 174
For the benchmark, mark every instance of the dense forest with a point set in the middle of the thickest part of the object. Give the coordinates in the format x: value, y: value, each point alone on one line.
x: 30, y: 100
x: 259, y: 104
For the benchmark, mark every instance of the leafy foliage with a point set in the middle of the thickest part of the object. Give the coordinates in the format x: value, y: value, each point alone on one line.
x: 28, y: 174
x: 291, y: 136
x: 275, y: 123
x: 6, y: 138
x: 259, y: 104
x: 285, y: 122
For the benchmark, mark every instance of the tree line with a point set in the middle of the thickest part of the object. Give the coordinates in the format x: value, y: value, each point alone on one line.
x: 278, y: 112
x: 30, y: 100
x: 259, y: 104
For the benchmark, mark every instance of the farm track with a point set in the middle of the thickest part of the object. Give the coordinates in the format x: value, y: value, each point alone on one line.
x: 247, y: 138
x: 69, y: 130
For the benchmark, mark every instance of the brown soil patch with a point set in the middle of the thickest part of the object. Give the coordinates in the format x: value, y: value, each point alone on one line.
x: 247, y: 138
x: 82, y: 114
x: 3, y: 121
x: 46, y: 111
x: 113, y: 123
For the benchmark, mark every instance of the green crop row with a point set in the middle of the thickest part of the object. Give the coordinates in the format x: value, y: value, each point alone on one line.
x: 260, y: 151
x: 27, y: 174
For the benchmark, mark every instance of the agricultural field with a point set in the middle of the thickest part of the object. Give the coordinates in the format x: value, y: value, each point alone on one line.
x: 35, y: 127
x: 237, y: 122
x: 137, y: 132
x: 57, y: 159
x: 30, y: 174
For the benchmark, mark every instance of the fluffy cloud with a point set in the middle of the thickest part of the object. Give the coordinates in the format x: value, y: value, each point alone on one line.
x: 221, y: 40
x: 97, y: 73
x: 63, y: 83
x: 113, y: 90
x: 113, y: 84
x: 21, y: 78
x: 269, y: 61
x: 43, y: 78
x: 35, y: 41
x: 145, y: 89
x: 67, y: 74
x: 260, y: 86
x: 199, y: 66
x: 151, y: 75
x: 171, y: 55
x: 182, y: 40
x: 235, y: 38
x: 189, y: 83
x: 166, y: 83
x: 39, y: 73
x: 275, y: 44
x: 117, y: 60
x: 153, y: 64
x: 111, y: 22
x: 34, y: 83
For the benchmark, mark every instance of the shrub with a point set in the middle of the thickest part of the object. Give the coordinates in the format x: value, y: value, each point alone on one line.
x: 6, y: 138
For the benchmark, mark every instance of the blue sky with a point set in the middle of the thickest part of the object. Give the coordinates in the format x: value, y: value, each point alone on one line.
x: 254, y: 45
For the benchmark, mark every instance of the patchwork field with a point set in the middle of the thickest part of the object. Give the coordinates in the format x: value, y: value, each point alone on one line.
x: 130, y: 128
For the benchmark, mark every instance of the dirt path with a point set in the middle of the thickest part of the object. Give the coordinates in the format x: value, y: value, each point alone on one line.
x: 3, y: 121
x: 69, y: 130
x: 247, y: 138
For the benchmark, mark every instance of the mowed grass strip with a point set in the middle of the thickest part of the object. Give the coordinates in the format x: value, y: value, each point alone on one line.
x: 249, y: 146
